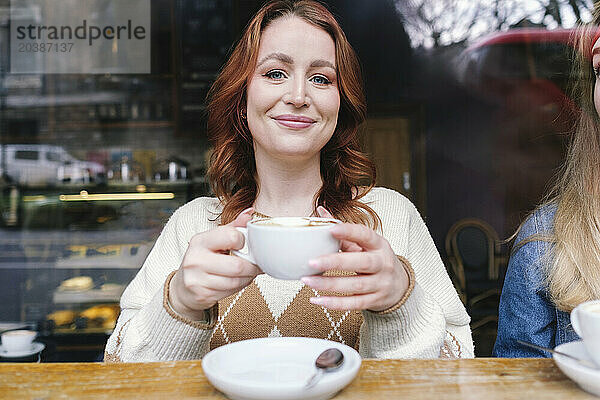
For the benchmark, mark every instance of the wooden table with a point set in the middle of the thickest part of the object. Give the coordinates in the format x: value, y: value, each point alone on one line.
x: 486, y: 379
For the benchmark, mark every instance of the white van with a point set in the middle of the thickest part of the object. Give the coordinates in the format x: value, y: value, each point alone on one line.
x: 36, y: 164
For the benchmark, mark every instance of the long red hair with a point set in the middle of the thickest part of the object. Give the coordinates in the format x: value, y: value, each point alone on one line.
x: 346, y: 171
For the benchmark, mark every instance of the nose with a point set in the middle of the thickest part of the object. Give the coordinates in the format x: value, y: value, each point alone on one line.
x: 297, y: 95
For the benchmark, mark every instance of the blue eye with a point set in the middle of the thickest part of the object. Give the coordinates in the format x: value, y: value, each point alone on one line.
x: 275, y: 74
x: 321, y: 80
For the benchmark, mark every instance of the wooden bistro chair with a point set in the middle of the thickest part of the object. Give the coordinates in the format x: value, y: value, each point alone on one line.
x: 474, y: 251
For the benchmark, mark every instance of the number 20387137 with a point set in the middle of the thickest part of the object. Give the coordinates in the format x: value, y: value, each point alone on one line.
x: 45, y: 47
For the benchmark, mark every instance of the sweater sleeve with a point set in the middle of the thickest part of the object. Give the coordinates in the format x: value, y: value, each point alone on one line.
x: 432, y: 322
x: 146, y: 330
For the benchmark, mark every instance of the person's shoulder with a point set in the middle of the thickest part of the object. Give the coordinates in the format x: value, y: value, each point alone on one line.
x: 539, y: 222
x: 388, y: 200
x: 533, y: 242
x: 383, y: 194
x: 531, y: 249
x: 200, y: 204
x: 395, y: 211
x: 199, y: 209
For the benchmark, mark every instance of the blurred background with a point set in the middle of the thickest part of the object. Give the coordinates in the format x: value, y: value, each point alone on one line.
x: 468, y: 116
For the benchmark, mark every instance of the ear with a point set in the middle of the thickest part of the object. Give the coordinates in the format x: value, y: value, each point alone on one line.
x: 242, y: 121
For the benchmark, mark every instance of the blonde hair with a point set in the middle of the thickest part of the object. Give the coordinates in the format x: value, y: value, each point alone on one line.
x: 572, y: 274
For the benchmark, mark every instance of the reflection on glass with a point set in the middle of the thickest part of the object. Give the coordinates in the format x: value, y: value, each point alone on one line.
x: 171, y: 169
x: 126, y: 171
x: 480, y: 141
x: 40, y: 164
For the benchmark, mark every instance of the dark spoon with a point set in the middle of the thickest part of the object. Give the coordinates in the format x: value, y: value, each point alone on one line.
x: 581, y: 361
x: 329, y: 360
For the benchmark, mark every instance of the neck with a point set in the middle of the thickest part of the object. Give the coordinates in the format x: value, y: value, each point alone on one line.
x: 287, y: 189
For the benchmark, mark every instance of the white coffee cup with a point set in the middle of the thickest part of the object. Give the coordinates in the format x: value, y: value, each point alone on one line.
x: 585, y: 319
x: 18, y: 340
x: 282, y: 246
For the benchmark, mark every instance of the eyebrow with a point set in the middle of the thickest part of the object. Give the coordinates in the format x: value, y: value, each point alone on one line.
x: 596, y: 50
x: 289, y: 60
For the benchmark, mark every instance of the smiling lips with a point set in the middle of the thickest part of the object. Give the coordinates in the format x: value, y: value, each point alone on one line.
x: 294, y: 121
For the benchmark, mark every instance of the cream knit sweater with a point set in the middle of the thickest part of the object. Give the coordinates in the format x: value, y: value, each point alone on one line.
x: 431, y: 323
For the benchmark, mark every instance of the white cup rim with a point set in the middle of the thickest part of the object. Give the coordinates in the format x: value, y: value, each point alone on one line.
x: 582, y: 308
x: 256, y: 223
x: 20, y: 332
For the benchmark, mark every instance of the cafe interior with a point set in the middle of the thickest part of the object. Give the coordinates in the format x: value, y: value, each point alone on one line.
x: 468, y: 120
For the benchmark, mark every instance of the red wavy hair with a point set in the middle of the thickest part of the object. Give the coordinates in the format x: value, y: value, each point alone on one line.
x: 346, y: 171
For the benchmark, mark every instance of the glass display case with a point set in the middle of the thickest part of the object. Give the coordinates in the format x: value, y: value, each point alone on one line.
x: 67, y: 252
x: 73, y: 255
x: 91, y: 168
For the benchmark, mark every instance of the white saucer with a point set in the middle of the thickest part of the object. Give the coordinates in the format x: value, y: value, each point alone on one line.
x: 587, y: 378
x: 277, y: 368
x: 36, y: 347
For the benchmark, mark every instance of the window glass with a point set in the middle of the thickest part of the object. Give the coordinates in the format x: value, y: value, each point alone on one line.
x: 469, y: 113
x: 552, y: 62
x: 26, y: 155
x: 51, y: 156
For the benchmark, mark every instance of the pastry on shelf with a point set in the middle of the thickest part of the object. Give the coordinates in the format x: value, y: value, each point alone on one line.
x: 111, y: 287
x: 109, y: 324
x: 62, y: 317
x: 102, y: 315
x: 77, y: 284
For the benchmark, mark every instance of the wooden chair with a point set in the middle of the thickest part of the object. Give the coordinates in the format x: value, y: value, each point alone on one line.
x: 476, y: 262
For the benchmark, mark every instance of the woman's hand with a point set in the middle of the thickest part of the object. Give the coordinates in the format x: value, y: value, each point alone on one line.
x: 208, y: 273
x: 381, y: 279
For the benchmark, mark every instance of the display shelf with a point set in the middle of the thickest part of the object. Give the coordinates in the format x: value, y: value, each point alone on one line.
x: 117, y: 125
x: 126, y: 259
x: 75, y: 331
x: 24, y: 265
x: 88, y: 296
x: 122, y: 249
x: 9, y: 326
x: 177, y: 184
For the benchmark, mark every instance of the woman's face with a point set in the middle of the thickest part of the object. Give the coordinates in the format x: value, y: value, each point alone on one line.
x: 292, y: 98
x: 596, y: 65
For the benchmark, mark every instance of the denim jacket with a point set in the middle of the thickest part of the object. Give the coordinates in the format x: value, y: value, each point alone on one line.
x: 525, y: 311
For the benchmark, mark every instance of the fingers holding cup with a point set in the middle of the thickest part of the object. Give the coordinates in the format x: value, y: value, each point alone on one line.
x: 345, y: 245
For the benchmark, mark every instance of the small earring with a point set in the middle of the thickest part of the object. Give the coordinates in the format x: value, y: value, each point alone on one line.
x: 242, y: 114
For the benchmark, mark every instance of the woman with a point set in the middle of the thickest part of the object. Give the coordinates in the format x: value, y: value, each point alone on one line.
x: 555, y: 264
x: 283, y: 117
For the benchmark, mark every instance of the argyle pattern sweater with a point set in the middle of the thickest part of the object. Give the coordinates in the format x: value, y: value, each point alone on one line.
x: 431, y: 323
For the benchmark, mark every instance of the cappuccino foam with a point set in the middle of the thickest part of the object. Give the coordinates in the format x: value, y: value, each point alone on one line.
x: 594, y: 308
x: 19, y: 333
x: 291, y: 222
